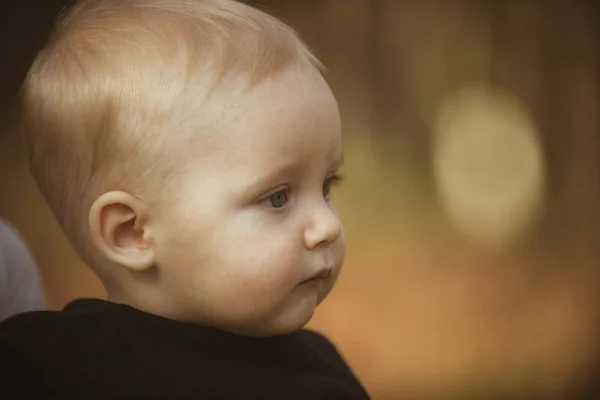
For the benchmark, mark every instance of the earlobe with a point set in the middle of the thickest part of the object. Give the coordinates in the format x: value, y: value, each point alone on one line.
x: 118, y: 224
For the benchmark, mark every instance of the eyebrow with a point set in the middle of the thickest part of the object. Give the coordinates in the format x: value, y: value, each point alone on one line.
x: 277, y: 175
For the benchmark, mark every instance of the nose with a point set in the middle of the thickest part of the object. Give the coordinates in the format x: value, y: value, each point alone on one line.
x: 324, y: 227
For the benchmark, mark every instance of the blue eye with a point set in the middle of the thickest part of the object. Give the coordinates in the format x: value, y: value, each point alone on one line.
x: 276, y: 200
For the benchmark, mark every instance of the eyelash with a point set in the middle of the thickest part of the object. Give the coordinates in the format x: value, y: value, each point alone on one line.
x: 330, y: 182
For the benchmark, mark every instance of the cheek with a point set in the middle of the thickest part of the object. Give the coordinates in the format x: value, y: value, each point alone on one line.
x: 266, y: 263
x: 185, y: 246
x: 260, y: 259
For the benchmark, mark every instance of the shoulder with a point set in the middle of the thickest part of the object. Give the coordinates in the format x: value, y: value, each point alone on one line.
x: 25, y: 324
x: 41, y: 348
x: 27, y: 332
x: 25, y: 339
x: 40, y: 335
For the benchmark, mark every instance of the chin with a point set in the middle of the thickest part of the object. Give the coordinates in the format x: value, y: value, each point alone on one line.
x: 274, y: 327
x: 291, y: 316
x: 285, y: 330
x: 290, y: 322
x: 295, y: 319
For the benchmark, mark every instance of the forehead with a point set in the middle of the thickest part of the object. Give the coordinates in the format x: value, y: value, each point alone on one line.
x: 287, y: 118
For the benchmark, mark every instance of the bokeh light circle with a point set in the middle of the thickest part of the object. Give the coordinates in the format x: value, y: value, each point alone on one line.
x: 488, y: 165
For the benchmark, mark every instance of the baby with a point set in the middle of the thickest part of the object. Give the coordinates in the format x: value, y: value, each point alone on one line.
x: 188, y: 149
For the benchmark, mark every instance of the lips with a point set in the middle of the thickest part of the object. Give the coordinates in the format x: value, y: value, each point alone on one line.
x: 319, y: 276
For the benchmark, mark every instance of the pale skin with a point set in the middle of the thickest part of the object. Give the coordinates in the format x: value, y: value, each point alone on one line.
x: 247, y: 239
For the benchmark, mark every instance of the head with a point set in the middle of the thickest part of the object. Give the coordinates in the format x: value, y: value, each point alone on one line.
x: 188, y: 149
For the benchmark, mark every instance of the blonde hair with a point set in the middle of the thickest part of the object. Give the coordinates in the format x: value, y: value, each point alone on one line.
x: 112, y: 79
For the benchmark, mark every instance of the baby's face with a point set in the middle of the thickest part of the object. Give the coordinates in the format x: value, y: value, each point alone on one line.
x: 247, y: 239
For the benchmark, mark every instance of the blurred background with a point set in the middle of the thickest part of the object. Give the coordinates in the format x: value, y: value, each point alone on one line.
x: 472, y: 198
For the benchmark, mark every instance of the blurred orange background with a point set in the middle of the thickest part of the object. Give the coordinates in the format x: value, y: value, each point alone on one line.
x: 472, y: 198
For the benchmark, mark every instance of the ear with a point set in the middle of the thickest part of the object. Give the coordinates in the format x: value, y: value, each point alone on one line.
x: 118, y: 224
